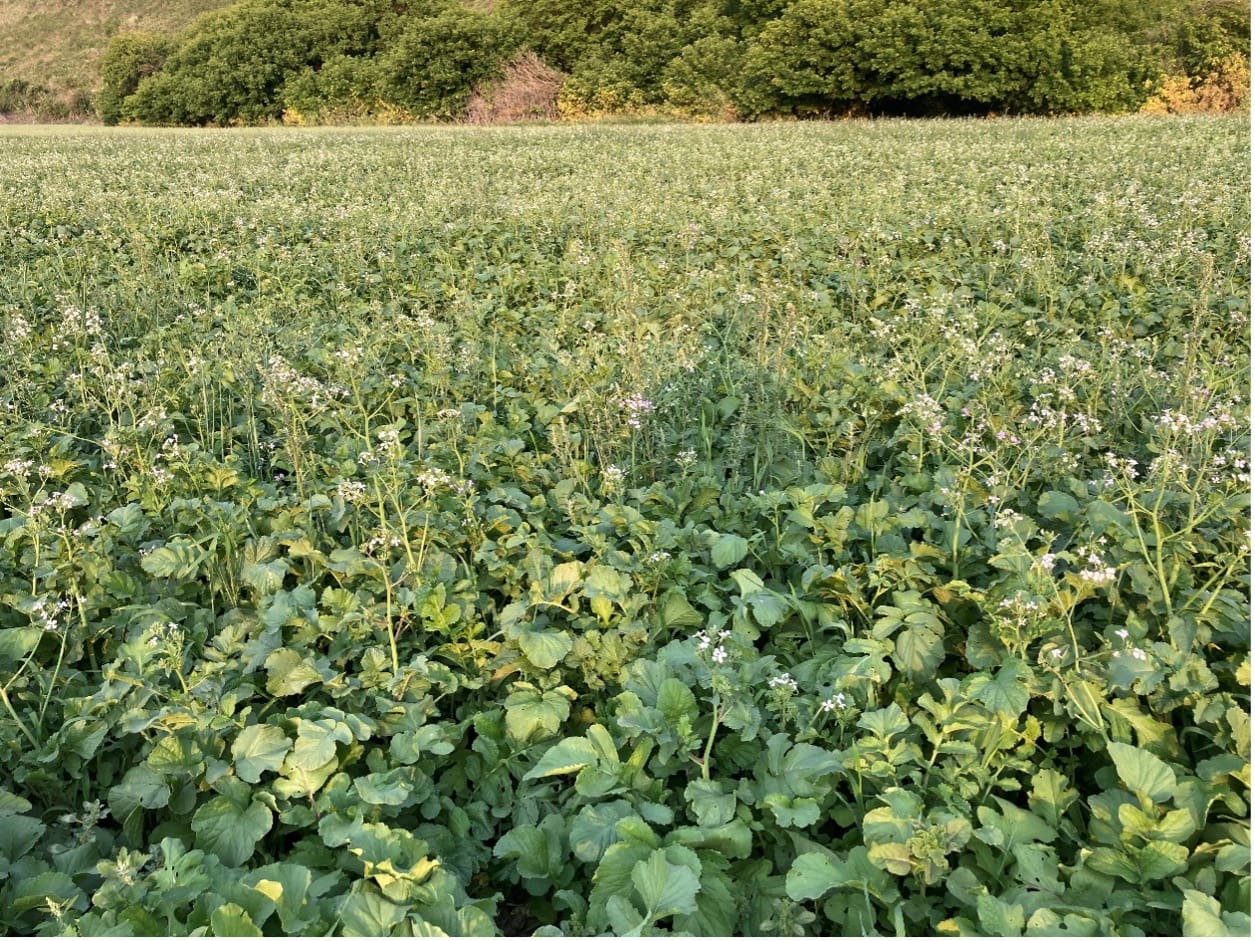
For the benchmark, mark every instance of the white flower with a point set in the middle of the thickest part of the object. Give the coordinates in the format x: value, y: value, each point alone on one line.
x: 783, y: 682
x: 1122, y: 634
x: 350, y: 491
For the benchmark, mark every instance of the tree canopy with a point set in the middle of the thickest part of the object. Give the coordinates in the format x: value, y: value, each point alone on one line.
x: 260, y: 60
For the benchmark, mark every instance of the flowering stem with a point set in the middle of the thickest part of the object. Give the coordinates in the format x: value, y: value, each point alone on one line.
x: 710, y: 741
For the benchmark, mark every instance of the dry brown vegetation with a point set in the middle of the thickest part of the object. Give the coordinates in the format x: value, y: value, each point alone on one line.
x: 526, y: 91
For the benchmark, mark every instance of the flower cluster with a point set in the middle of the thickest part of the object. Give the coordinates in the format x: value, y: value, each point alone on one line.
x: 784, y: 683
x: 350, y: 491
x: 712, y: 640
x: 637, y: 408
x: 165, y: 635
x: 927, y: 411
x: 833, y: 702
x: 283, y: 386
x: 1097, y: 571
x: 46, y: 614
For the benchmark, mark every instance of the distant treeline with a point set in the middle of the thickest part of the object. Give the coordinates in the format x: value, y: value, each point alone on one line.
x: 396, y: 60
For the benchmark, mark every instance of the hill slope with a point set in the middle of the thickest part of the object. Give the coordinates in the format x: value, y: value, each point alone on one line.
x: 57, y: 43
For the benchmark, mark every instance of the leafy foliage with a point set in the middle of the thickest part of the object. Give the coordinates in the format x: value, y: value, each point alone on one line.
x: 736, y: 539
x: 367, y: 60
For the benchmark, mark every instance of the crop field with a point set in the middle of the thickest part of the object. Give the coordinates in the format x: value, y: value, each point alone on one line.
x: 811, y: 529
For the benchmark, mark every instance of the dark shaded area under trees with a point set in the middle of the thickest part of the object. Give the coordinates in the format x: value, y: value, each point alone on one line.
x: 312, y: 61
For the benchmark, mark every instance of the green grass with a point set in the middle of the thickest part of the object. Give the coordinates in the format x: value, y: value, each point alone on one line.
x: 813, y: 528
x: 58, y: 43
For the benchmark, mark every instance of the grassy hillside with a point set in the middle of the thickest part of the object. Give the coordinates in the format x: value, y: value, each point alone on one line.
x: 58, y: 43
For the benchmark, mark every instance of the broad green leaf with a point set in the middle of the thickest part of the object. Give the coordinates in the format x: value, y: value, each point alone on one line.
x: 544, y: 649
x: 892, y: 857
x: 529, y: 847
x: 288, y: 885
x: 728, y: 549
x: 1038, y: 865
x: 1010, y: 826
x: 289, y: 673
x: 265, y: 577
x: 624, y: 919
x: 175, y: 754
x: 716, y: 908
x: 1113, y: 862
x: 710, y: 805
x: 563, y: 580
x: 1202, y: 917
x: 1159, y: 859
x: 367, y: 914
x: 533, y: 714
x: 1142, y: 772
x: 11, y: 804
x: 409, y: 747
x: 230, y: 831
x: 316, y: 743
x: 569, y: 755
x: 259, y: 748
x: 1056, y: 505
x: 303, y: 782
x: 792, y: 811
x: 885, y: 723
x: 18, y: 835
x: 732, y: 840
x: 231, y: 921
x: 35, y: 891
x: 998, y: 919
x: 1051, y: 796
x: 768, y: 608
x: 917, y: 651
x: 594, y: 830
x: 665, y: 888
x: 17, y: 642
x: 748, y: 583
x: 676, y: 701
x: 385, y: 788
x: 1234, y: 858
x: 677, y: 612
x: 614, y: 876
x: 1174, y: 826
x: 812, y: 876
x: 604, y: 587
x: 895, y: 822
x: 141, y: 787
x: 1006, y: 693
x: 803, y: 767
x: 607, y: 751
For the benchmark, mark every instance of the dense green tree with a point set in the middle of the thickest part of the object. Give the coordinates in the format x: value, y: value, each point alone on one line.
x: 752, y: 58
x: 128, y: 59
x: 233, y: 62
x: 433, y: 66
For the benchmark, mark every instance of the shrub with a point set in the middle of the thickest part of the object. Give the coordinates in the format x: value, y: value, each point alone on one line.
x: 128, y: 59
x: 1227, y: 88
x: 527, y: 90
x: 433, y: 66
x: 346, y: 88
x: 231, y: 67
